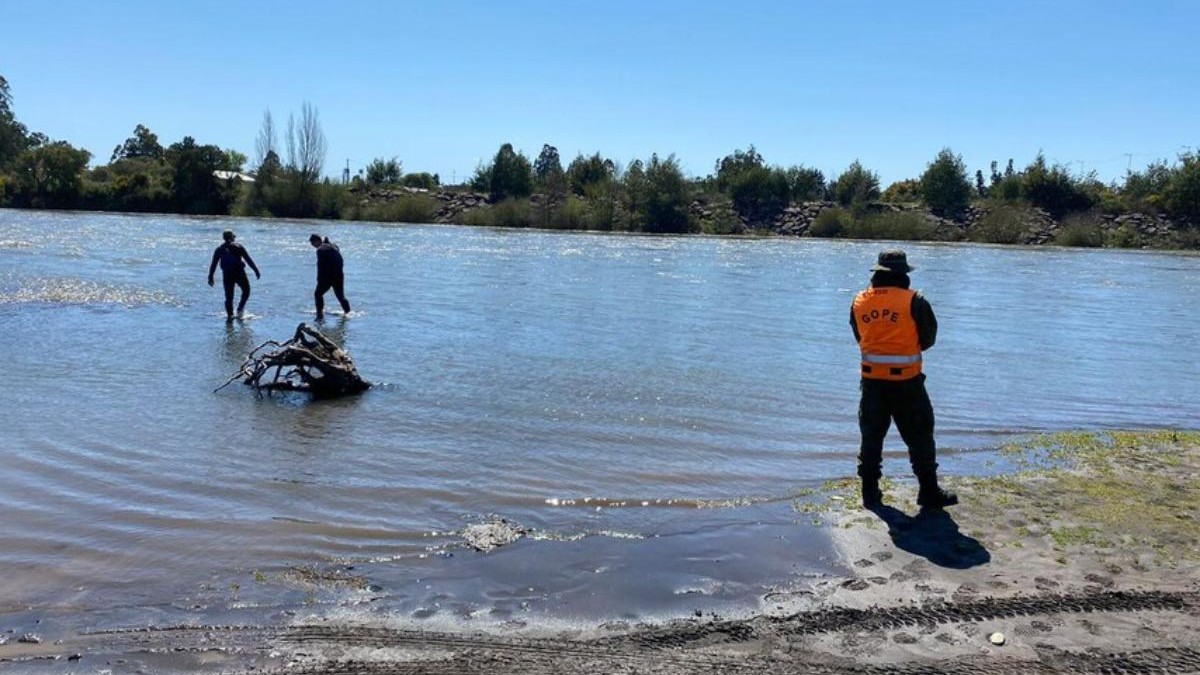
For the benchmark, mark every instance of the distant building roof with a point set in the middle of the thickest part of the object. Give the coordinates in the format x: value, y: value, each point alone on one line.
x: 234, y: 175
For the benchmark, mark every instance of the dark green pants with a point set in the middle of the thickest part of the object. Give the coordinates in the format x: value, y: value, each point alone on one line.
x: 908, y: 404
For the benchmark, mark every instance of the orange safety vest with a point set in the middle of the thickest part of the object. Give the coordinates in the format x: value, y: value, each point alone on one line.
x: 887, y: 333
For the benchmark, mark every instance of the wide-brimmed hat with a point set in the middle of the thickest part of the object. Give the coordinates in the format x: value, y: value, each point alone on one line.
x: 894, y: 260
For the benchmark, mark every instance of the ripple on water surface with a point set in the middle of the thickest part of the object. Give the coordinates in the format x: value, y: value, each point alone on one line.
x: 69, y: 291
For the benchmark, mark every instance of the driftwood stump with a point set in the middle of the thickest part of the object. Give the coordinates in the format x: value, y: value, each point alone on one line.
x: 309, y: 363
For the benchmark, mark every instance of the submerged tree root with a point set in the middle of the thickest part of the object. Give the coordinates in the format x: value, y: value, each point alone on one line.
x: 309, y: 362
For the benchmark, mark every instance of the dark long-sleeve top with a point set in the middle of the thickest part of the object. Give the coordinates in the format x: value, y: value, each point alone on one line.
x: 230, y: 256
x: 329, y: 260
x: 922, y: 311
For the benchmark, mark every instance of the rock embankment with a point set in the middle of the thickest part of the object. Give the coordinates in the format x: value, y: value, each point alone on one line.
x: 452, y: 205
x: 1032, y: 226
x: 979, y: 222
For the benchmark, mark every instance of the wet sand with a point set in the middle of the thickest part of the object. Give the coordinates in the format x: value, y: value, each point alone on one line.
x: 1088, y: 560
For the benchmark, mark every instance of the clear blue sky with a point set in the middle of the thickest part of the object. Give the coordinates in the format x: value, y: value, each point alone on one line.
x: 441, y: 85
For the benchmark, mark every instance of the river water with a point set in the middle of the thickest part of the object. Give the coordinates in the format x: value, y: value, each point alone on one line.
x: 648, y: 406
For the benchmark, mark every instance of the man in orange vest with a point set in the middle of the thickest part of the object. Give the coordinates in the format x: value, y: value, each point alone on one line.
x: 893, y: 325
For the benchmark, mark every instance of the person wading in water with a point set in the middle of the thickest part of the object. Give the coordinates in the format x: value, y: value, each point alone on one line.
x: 329, y: 274
x: 230, y: 256
x: 893, y: 325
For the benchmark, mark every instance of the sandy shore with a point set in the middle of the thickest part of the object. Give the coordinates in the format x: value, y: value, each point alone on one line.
x: 1087, y: 560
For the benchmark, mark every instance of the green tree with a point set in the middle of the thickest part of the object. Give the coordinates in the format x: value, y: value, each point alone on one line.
x: 383, y: 171
x: 807, y: 184
x: 548, y: 165
x: 1145, y: 190
x: 137, y: 184
x: 234, y: 160
x: 511, y: 174
x: 1182, y: 194
x: 585, y: 171
x: 194, y: 187
x: 14, y: 137
x: 143, y: 143
x: 265, y: 143
x: 856, y: 186
x: 758, y: 192
x: 298, y: 191
x: 548, y: 173
x: 258, y: 198
x: 482, y: 178
x: 736, y: 164
x: 945, y: 187
x: 1053, y: 188
x: 50, y: 175
x: 662, y: 202
x: 306, y: 144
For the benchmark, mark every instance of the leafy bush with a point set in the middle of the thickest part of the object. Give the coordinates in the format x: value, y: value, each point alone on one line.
x: 424, y: 180
x: 830, y: 223
x: 331, y: 199
x: 511, y: 213
x: 1186, y: 239
x: 945, y: 187
x: 760, y: 193
x: 604, y: 210
x: 1143, y: 190
x: 1124, y: 236
x: 903, y: 191
x: 1006, y: 189
x: 1003, y: 224
x: 723, y: 220
x: 405, y: 209
x: 478, y: 216
x: 1080, y: 230
x: 903, y: 226
x: 571, y: 214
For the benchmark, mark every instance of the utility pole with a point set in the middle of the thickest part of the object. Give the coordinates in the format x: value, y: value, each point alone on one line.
x: 346, y: 173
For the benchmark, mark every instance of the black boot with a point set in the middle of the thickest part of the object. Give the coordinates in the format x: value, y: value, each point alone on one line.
x: 872, y: 496
x: 931, y: 496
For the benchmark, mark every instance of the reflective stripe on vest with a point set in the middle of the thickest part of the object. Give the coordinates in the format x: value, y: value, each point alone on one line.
x: 888, y: 340
x: 884, y: 358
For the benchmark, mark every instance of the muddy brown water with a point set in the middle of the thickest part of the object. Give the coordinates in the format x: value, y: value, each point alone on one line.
x: 647, y: 407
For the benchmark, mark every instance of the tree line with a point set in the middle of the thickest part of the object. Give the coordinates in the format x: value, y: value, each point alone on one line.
x: 286, y: 179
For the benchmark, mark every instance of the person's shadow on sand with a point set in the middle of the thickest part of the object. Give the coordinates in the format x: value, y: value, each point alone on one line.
x: 933, y: 535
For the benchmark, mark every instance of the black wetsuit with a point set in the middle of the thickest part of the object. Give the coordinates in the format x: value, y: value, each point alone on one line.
x: 230, y: 257
x: 330, y: 275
